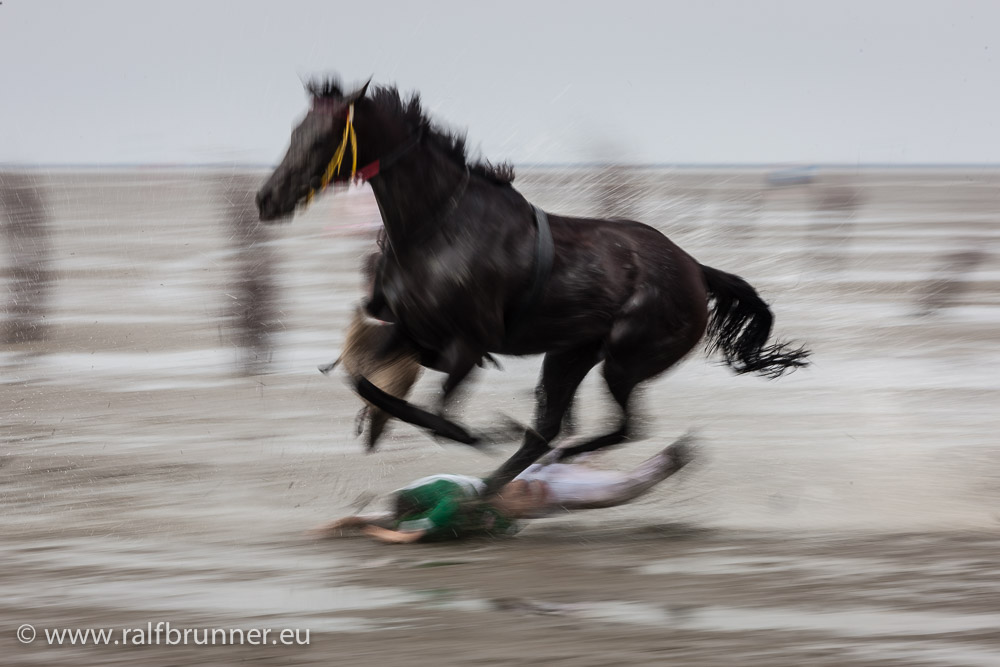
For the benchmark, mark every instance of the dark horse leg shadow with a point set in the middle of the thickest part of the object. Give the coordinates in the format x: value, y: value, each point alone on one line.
x: 412, y: 414
x: 437, y: 423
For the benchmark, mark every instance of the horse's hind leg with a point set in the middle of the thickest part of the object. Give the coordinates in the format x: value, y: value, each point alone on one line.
x: 637, y: 352
x: 621, y: 383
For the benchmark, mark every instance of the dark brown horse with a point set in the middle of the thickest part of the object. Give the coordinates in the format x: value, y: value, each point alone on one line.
x: 471, y: 268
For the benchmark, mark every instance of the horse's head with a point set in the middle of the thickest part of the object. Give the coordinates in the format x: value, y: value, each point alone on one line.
x: 323, y: 137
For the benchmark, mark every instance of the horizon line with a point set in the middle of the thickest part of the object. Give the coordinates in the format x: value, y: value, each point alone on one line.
x: 539, y: 165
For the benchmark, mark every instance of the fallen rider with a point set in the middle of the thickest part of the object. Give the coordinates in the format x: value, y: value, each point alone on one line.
x: 444, y: 507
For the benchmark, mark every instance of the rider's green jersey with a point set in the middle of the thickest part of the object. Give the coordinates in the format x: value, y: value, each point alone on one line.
x: 449, y: 507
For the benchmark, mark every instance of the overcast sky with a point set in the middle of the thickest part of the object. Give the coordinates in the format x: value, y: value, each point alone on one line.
x: 130, y: 81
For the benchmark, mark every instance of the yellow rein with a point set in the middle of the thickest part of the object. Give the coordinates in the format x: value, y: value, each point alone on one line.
x: 338, y: 156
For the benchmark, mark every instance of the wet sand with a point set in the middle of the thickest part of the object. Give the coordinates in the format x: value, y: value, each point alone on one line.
x: 847, y: 514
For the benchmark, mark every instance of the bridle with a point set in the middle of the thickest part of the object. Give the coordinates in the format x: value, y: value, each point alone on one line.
x: 370, y: 170
x: 378, y: 165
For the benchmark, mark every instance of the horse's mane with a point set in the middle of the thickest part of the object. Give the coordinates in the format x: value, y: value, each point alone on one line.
x: 388, y: 99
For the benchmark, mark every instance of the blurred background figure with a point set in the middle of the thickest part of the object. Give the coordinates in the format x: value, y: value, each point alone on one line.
x: 613, y: 186
x: 952, y: 279
x: 252, y: 313
x: 837, y: 203
x: 26, y: 235
x: 617, y: 191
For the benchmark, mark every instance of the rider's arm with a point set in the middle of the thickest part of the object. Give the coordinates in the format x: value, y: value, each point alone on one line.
x: 393, y: 536
x: 340, y: 526
x: 437, y: 521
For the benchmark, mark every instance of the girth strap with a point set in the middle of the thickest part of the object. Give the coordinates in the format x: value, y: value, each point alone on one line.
x: 540, y: 272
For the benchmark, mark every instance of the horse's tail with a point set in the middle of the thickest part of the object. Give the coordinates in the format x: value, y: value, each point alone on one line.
x: 740, y: 325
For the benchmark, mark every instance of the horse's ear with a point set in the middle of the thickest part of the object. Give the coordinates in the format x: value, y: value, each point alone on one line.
x: 359, y: 93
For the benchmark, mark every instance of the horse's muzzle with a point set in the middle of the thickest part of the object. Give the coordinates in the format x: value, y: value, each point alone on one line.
x: 269, y: 209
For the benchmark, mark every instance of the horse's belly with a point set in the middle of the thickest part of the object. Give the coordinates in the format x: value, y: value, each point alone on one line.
x: 543, y: 335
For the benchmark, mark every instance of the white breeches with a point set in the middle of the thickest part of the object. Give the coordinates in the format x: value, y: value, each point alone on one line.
x: 575, y: 487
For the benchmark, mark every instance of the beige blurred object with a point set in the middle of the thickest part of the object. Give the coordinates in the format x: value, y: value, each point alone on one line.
x: 370, y: 352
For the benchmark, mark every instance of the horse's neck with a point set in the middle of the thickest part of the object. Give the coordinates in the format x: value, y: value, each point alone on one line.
x: 415, y: 193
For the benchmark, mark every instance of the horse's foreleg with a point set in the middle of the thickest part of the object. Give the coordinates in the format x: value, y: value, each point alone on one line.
x: 531, y: 450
